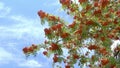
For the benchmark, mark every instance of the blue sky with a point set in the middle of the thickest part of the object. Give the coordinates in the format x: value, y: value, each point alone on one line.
x: 20, y: 27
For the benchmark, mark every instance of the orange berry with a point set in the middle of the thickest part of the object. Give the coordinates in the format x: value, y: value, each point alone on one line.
x: 54, y: 46
x: 41, y: 14
x: 30, y: 49
x: 47, y: 31
x: 55, y: 59
x: 34, y: 46
x: 25, y: 50
x: 75, y: 56
x: 89, y: 22
x: 72, y: 25
x: 96, y: 4
x: 104, y: 61
x: 82, y: 1
x: 92, y: 47
x: 64, y: 35
x: 67, y: 66
x: 45, y: 53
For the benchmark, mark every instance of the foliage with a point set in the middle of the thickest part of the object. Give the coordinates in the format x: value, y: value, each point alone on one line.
x: 95, y: 25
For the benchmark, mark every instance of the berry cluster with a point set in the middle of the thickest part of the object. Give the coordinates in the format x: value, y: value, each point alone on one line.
x: 31, y: 49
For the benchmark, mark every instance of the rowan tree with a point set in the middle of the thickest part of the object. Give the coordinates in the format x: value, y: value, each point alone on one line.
x: 95, y: 24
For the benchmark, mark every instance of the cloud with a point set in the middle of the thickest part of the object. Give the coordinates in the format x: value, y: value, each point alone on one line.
x: 4, y: 10
x: 8, y: 58
x: 24, y: 27
x: 30, y: 64
x: 20, y: 28
x: 5, y: 56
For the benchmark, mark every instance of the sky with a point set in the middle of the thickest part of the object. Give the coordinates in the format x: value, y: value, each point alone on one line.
x: 19, y: 27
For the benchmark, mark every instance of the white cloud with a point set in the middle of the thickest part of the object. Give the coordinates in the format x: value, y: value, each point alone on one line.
x: 4, y: 10
x: 23, y: 26
x: 5, y: 56
x: 30, y: 64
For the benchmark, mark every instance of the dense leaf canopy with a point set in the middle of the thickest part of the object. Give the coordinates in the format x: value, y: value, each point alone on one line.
x: 86, y: 41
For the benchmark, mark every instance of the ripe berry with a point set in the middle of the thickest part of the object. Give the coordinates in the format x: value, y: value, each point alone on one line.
x: 45, y: 53
x: 25, y: 50
x: 41, y: 14
x: 67, y: 66
x: 75, y: 56
x: 55, y: 59
x: 104, y: 61
x: 47, y: 31
x: 54, y: 46
x: 30, y: 49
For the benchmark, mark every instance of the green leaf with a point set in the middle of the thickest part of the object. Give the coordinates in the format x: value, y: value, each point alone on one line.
x: 74, y: 61
x: 112, y: 60
x: 42, y: 21
x: 60, y: 59
x: 59, y: 51
x: 107, y: 42
x: 118, y: 5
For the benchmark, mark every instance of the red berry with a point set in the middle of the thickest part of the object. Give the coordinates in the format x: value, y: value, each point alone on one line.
x: 45, y: 53
x: 59, y: 26
x: 104, y: 3
x: 72, y: 25
x: 95, y: 35
x: 82, y: 1
x: 89, y: 22
x: 64, y: 35
x: 118, y: 12
x: 30, y: 49
x: 52, y: 18
x: 104, y: 61
x: 115, y: 21
x: 102, y: 38
x: 113, y: 66
x: 110, y: 36
x: 65, y: 2
x: 96, y: 4
x: 25, y: 50
x: 98, y: 11
x: 75, y: 56
x: 54, y: 46
x: 67, y: 66
x: 34, y: 46
x: 78, y: 31
x: 55, y: 59
x: 105, y: 23
x: 92, y: 47
x: 41, y: 14
x: 47, y: 31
